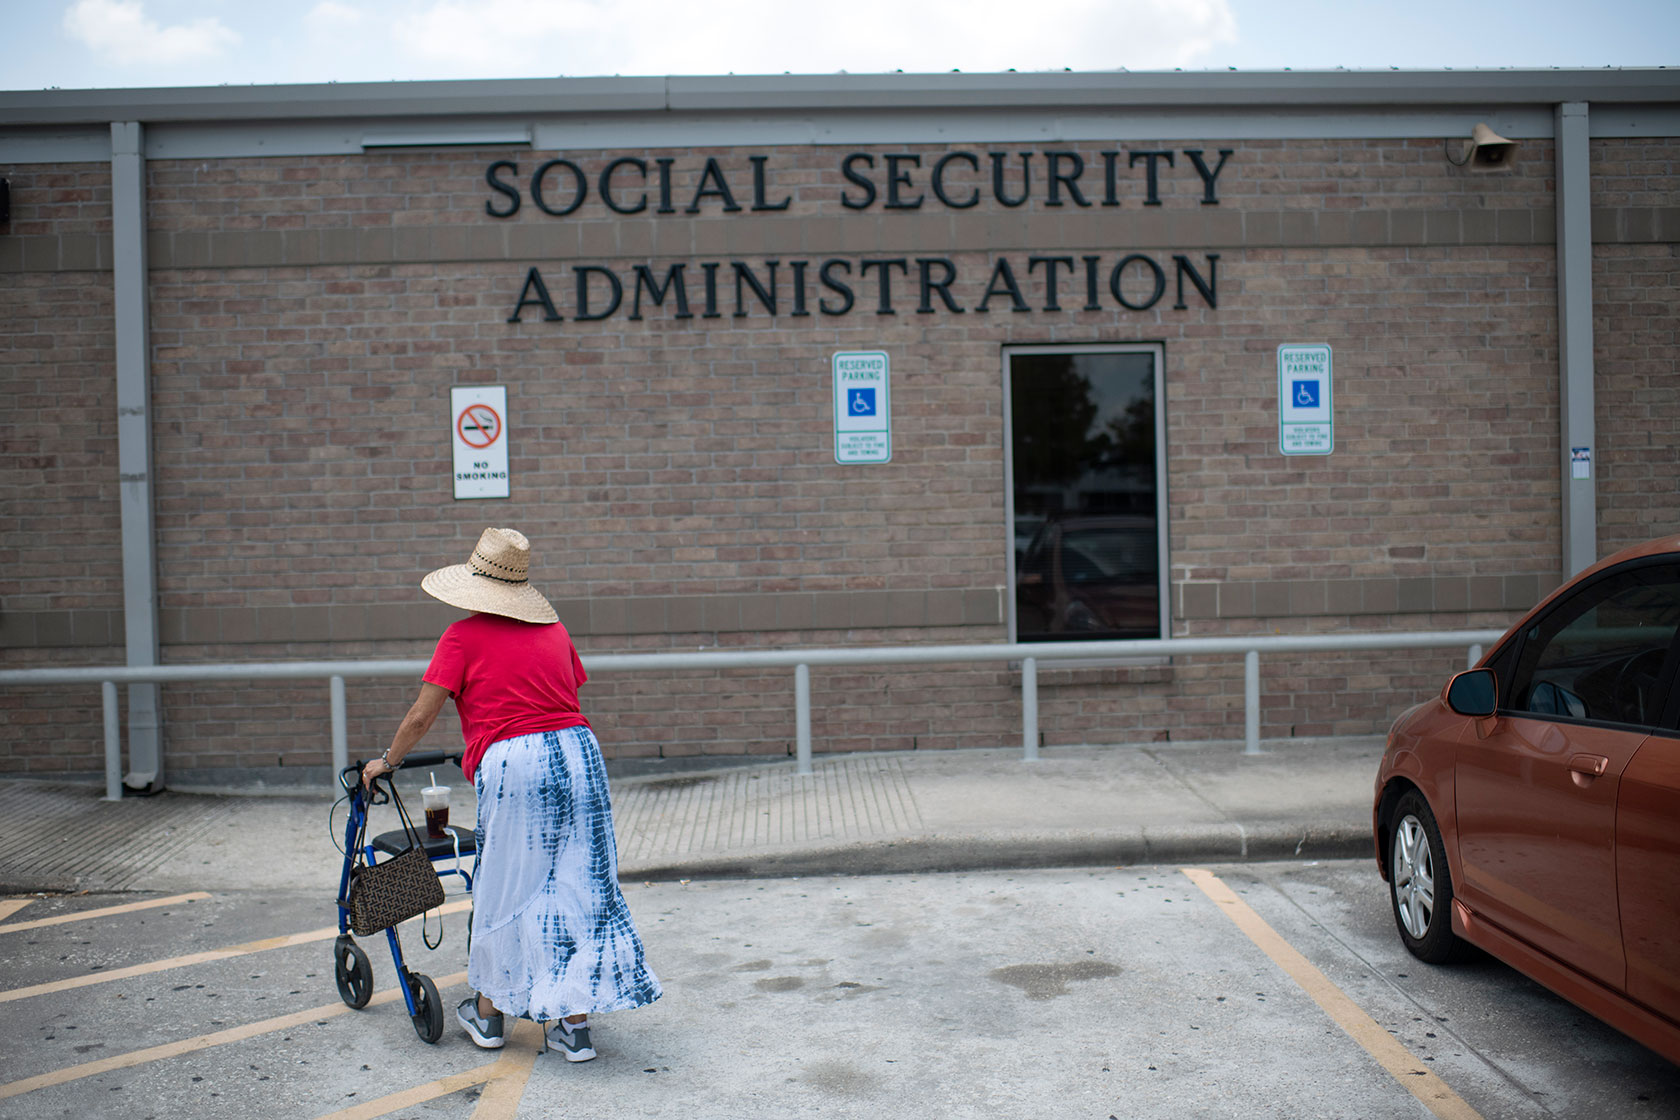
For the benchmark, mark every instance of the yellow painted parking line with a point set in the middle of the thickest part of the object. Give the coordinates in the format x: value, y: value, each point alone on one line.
x: 10, y: 906
x: 500, y: 1099
x: 102, y: 912
x: 503, y: 1080
x: 205, y: 957
x: 420, y: 1094
x: 202, y: 1042
x: 1400, y: 1062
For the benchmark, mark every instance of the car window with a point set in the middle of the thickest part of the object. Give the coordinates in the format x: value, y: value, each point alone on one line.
x: 1601, y: 654
x: 1123, y: 554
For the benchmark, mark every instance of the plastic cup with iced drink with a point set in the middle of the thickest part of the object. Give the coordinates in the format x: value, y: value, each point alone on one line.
x: 436, y: 800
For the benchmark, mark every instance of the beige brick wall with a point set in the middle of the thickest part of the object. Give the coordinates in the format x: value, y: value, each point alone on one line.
x: 677, y: 477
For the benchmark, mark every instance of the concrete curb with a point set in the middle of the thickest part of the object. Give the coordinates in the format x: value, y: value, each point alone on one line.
x: 934, y: 853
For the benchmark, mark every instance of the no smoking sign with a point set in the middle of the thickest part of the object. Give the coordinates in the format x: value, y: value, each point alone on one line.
x: 479, y: 434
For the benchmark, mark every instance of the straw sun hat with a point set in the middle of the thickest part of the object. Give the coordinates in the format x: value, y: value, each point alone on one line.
x: 495, y: 579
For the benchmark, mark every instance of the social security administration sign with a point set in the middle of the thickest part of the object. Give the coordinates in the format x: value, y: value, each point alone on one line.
x: 862, y: 407
x: 1306, y: 424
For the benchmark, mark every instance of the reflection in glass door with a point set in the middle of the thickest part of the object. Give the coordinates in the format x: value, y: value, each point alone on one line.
x: 1087, y: 504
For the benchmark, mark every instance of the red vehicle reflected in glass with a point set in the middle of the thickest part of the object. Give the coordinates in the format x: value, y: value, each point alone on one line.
x: 1533, y: 808
x: 1091, y: 577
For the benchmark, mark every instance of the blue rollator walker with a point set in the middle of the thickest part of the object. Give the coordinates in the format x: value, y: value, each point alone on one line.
x: 351, y: 968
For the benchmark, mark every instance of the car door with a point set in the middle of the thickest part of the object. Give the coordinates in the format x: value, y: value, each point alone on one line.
x: 1537, y: 790
x: 1648, y: 871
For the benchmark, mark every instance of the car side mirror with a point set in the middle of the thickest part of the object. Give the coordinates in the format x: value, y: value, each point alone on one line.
x: 1474, y: 693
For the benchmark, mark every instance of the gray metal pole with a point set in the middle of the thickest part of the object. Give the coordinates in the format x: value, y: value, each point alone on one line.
x: 1475, y: 656
x: 134, y: 447
x: 1575, y: 337
x: 1029, y: 710
x: 802, y: 714
x: 340, y: 730
x: 1251, y: 702
x: 113, y: 742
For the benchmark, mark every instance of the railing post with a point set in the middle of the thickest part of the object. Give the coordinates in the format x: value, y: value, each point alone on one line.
x: 802, y: 714
x: 340, y: 732
x: 1251, y: 702
x: 113, y: 742
x: 1475, y: 656
x: 1029, y: 709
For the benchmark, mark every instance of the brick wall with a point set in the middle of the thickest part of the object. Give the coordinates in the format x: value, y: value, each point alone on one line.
x: 677, y: 476
x: 1636, y: 342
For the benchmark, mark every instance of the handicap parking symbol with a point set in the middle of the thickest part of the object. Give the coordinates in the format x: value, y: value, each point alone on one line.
x: 1306, y: 394
x: 860, y: 402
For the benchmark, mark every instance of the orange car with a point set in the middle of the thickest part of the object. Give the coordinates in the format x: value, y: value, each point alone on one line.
x: 1533, y: 808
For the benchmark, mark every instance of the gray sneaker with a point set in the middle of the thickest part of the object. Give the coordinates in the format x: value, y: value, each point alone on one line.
x: 485, y: 1032
x: 571, y: 1040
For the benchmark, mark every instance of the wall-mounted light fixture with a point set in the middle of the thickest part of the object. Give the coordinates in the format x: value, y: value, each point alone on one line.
x: 1486, y: 150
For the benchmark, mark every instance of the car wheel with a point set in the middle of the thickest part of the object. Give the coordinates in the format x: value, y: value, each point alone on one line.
x: 1419, y: 882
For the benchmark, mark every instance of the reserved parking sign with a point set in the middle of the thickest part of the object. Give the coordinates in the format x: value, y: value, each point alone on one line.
x: 862, y: 407
x: 1306, y: 424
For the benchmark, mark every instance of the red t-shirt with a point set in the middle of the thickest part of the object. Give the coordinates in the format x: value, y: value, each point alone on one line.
x: 508, y: 678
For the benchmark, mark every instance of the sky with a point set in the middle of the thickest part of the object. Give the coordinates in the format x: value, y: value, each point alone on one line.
x: 79, y: 44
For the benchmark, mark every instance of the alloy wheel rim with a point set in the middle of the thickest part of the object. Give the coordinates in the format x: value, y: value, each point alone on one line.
x: 1414, y: 877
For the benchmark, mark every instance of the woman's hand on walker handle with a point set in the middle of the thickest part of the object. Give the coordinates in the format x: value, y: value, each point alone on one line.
x: 369, y: 773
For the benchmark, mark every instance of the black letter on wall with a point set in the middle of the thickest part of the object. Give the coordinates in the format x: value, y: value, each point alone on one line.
x: 853, y: 177
x: 897, y: 178
x: 1155, y: 296
x: 582, y: 187
x: 1195, y: 154
x: 759, y: 188
x: 1070, y: 179
x: 713, y: 174
x: 606, y: 185
x: 657, y: 292
x: 834, y: 285
x: 939, y: 179
x: 1208, y: 288
x: 943, y: 286
x: 997, y: 178
x: 766, y: 297
x: 505, y: 188
x: 1049, y: 263
x: 1152, y: 178
x: 581, y: 310
x: 534, y: 283
x: 1001, y: 272
x: 883, y: 305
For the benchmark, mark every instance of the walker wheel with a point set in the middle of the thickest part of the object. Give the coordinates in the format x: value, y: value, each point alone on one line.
x: 353, y: 972
x: 428, y: 1012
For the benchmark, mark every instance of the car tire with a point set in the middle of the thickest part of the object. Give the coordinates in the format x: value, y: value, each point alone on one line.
x: 1420, y: 882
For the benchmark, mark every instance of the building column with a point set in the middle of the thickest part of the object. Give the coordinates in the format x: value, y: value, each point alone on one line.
x: 134, y: 448
x: 1575, y: 337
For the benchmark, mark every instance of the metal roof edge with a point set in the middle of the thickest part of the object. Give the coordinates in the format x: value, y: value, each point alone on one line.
x: 1327, y: 89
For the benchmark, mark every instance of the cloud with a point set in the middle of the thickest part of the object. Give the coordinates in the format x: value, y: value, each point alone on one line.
x: 119, y: 31
x: 580, y: 37
x: 332, y: 18
x: 509, y: 36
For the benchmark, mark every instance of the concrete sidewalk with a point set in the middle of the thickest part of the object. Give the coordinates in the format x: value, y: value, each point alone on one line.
x: 856, y: 814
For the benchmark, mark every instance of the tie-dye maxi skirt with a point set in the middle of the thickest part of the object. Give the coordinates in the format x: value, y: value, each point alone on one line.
x: 551, y: 933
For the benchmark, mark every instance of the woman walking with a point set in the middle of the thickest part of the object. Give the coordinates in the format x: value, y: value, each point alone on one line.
x: 552, y: 939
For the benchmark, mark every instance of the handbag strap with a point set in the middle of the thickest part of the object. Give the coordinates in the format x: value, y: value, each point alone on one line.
x: 414, y: 839
x: 413, y: 833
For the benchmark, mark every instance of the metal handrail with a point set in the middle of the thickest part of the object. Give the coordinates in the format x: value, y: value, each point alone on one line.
x: 800, y: 660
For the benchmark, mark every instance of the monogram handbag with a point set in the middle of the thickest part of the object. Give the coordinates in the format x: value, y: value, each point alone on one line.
x: 393, y: 890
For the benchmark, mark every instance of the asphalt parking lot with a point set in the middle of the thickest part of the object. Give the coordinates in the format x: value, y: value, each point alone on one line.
x: 1270, y: 989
